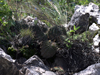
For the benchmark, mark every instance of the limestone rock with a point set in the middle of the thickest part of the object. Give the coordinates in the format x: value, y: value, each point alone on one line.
x: 35, y: 66
x: 91, y: 70
x: 79, y: 20
x: 83, y: 14
x: 7, y: 65
x: 93, y: 27
x: 96, y: 41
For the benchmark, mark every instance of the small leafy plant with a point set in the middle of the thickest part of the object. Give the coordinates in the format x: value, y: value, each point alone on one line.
x: 71, y: 38
x: 74, y: 30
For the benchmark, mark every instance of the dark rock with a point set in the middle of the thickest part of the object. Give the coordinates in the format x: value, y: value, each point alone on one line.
x: 76, y: 58
x: 26, y: 40
x: 4, y: 44
x: 79, y: 20
x: 21, y: 60
x: 20, y: 41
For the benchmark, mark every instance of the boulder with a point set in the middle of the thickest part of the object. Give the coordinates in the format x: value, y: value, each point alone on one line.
x: 32, y: 66
x: 35, y: 66
x: 84, y: 15
x: 30, y: 21
x: 79, y: 20
x: 7, y: 65
x: 90, y: 70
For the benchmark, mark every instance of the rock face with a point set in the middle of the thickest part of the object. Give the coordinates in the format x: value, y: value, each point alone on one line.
x: 80, y: 20
x: 96, y: 41
x: 32, y: 66
x: 91, y: 70
x: 50, y: 45
x: 35, y: 66
x: 94, y: 27
x: 7, y: 65
x: 30, y: 21
x: 84, y: 15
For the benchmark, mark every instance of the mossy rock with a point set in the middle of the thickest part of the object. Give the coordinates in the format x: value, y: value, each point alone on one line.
x: 48, y: 49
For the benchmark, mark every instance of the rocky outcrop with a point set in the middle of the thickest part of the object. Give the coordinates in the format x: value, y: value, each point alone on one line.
x: 79, y: 20
x: 32, y: 66
x: 7, y: 65
x: 30, y: 21
x: 94, y: 29
x: 35, y: 66
x: 60, y: 56
x: 84, y: 16
x: 91, y: 70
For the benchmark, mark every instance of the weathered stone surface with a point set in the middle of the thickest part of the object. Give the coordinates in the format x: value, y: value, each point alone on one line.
x: 7, y: 66
x: 79, y: 20
x: 96, y: 44
x: 32, y: 66
x: 35, y: 66
x: 84, y: 15
x: 91, y: 70
x: 30, y: 21
x: 94, y: 27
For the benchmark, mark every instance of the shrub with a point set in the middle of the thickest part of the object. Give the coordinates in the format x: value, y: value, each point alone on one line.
x: 5, y: 20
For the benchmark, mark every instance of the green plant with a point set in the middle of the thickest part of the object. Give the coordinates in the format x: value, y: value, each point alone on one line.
x: 47, y: 23
x: 54, y: 11
x: 84, y: 37
x: 55, y: 33
x: 74, y: 30
x: 6, y: 20
x: 48, y: 49
x: 25, y: 50
x: 26, y: 32
x: 11, y: 51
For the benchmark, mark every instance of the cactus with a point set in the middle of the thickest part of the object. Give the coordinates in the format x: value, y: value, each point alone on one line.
x: 38, y: 33
x: 48, y: 49
x: 55, y: 33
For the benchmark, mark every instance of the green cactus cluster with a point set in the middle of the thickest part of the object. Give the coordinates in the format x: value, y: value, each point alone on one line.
x: 55, y: 33
x: 48, y: 49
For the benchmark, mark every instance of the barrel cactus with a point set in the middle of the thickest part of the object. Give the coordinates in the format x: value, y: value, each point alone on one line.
x: 48, y: 49
x: 55, y: 33
x: 38, y: 33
